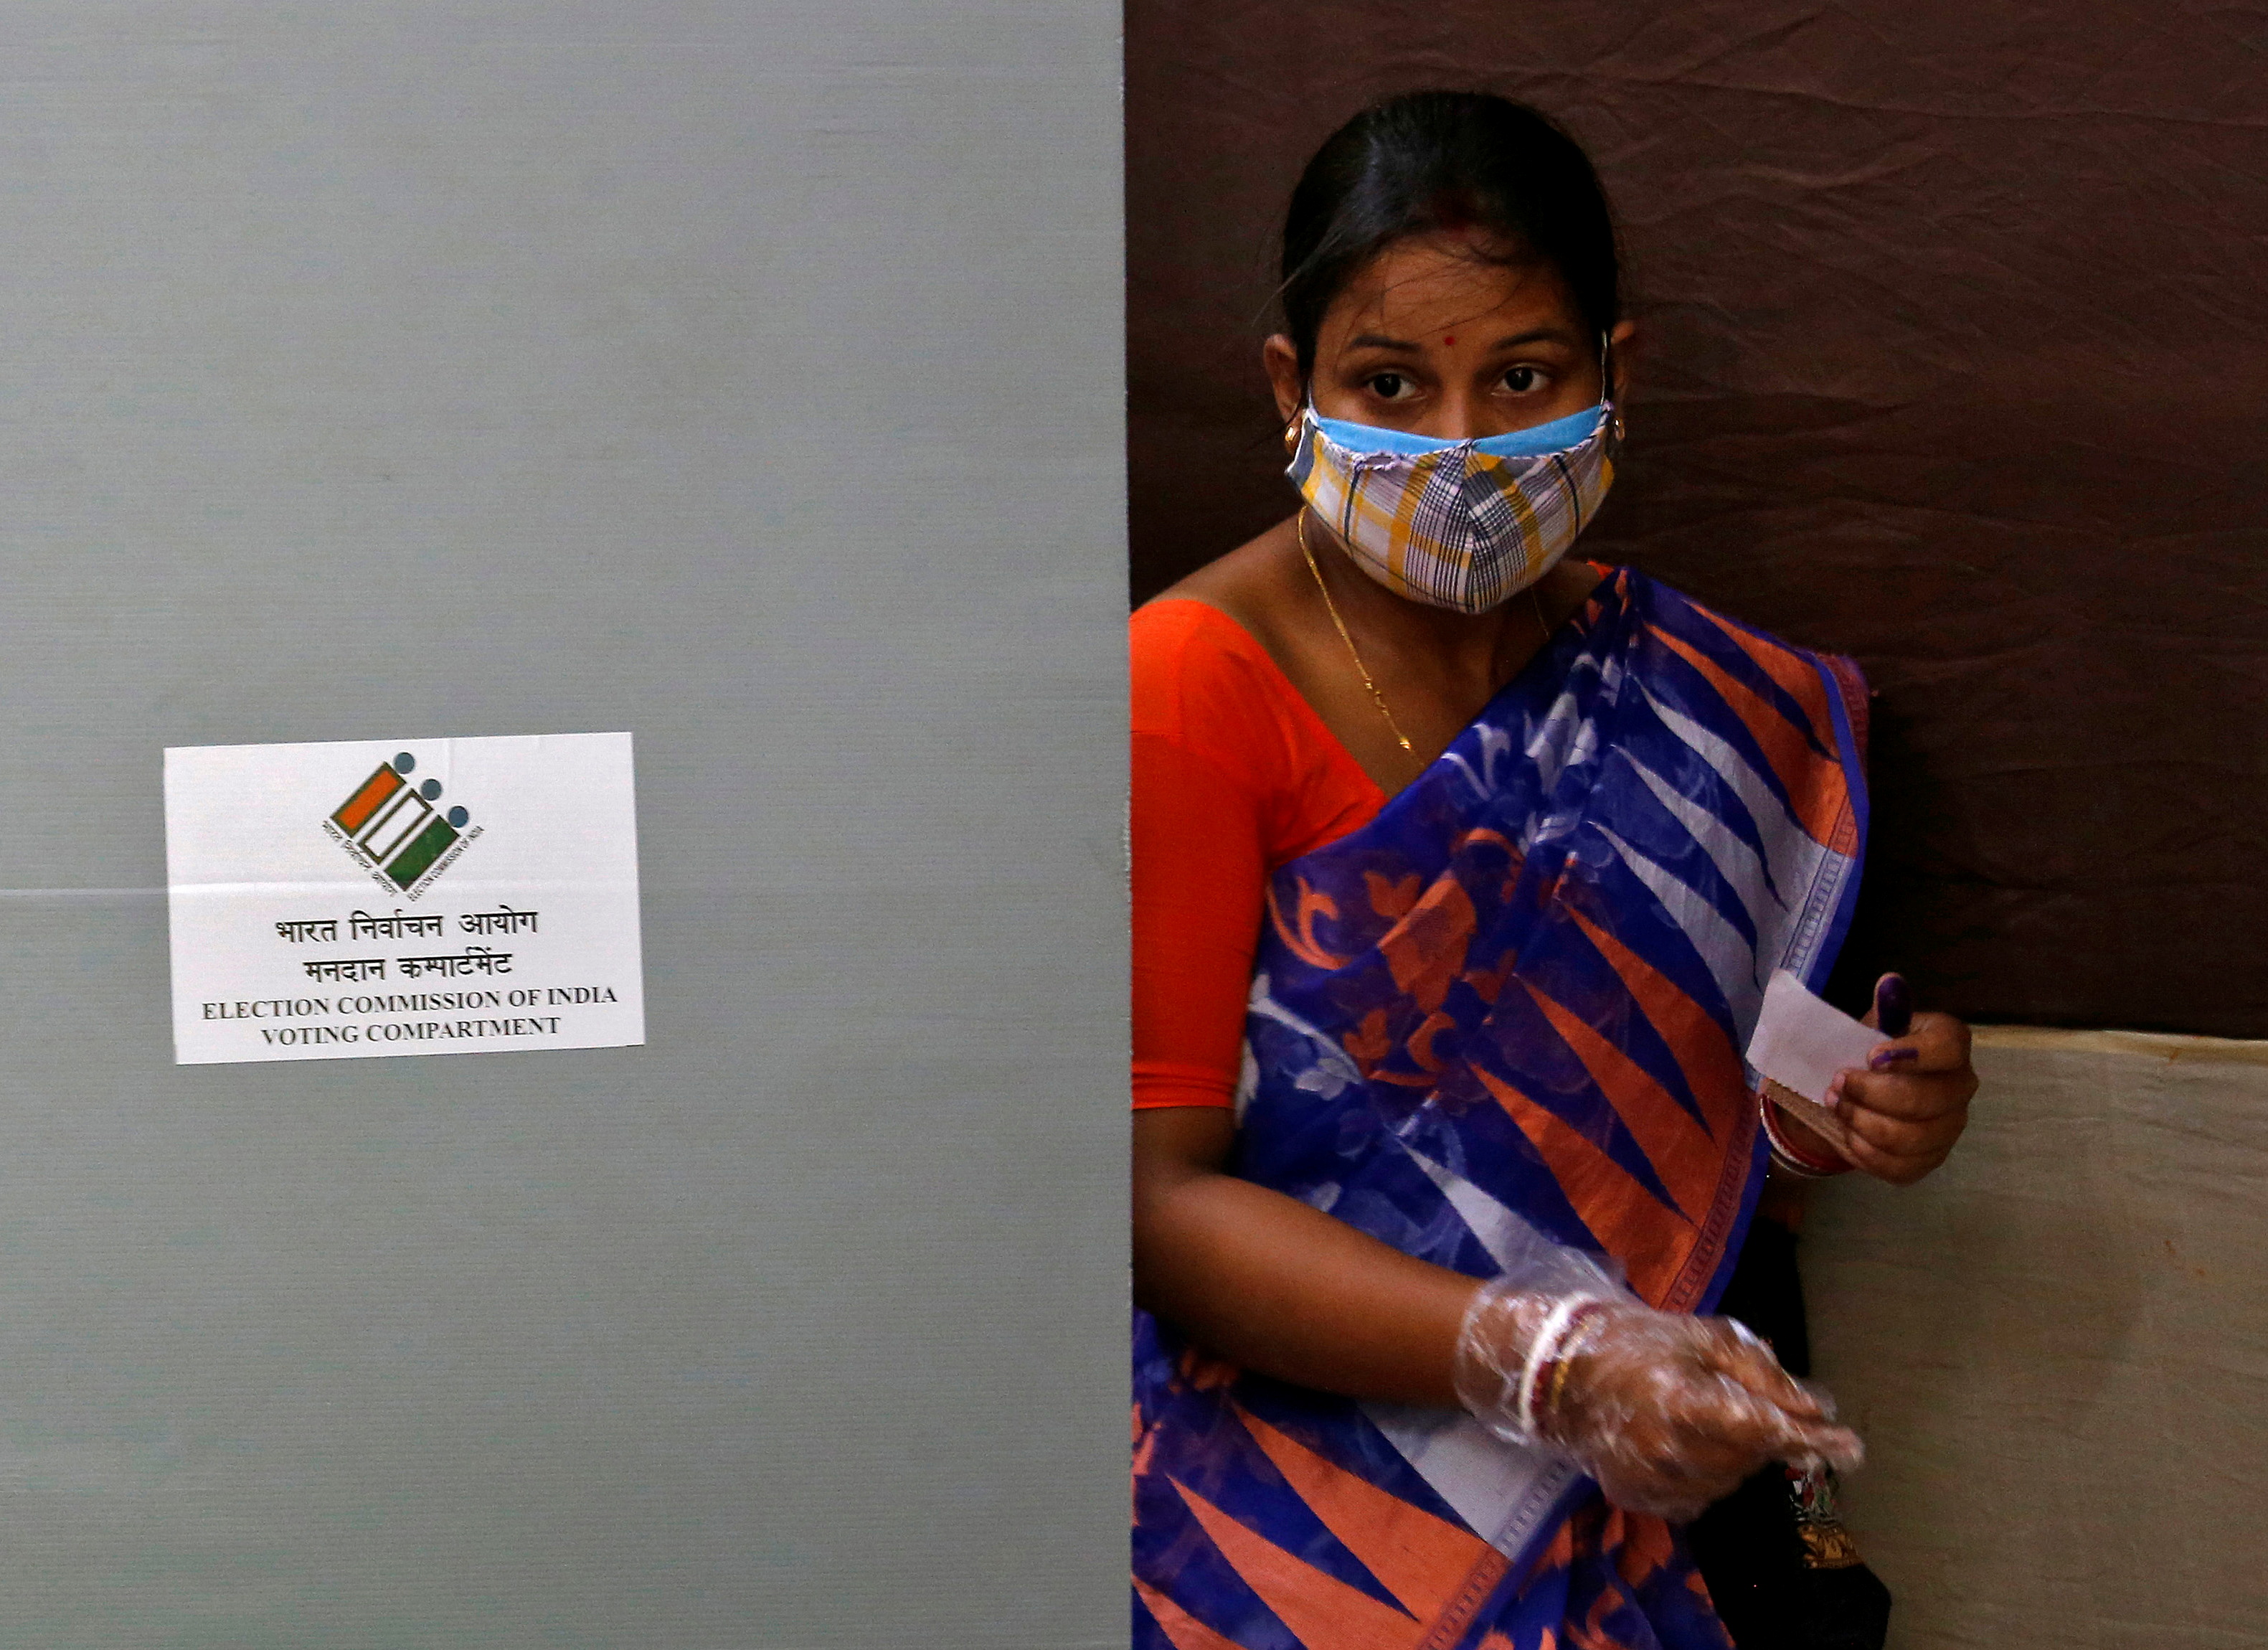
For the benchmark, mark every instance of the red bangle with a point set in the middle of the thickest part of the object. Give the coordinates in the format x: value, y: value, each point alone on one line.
x: 1791, y: 1157
x: 1549, y: 1376
x: 1578, y: 1337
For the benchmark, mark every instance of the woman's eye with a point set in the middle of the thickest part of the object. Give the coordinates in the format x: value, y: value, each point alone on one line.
x: 1522, y: 379
x: 1388, y: 385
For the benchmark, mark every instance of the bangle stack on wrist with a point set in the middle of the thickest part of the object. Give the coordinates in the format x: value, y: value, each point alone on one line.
x: 1543, y: 1376
x: 1792, y: 1158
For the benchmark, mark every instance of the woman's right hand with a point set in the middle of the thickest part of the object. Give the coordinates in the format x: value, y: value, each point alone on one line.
x: 1668, y: 1412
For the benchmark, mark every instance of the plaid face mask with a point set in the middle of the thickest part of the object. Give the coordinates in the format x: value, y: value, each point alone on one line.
x: 1461, y: 525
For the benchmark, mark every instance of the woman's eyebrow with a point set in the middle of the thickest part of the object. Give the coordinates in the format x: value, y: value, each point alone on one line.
x: 1537, y: 335
x: 1378, y: 341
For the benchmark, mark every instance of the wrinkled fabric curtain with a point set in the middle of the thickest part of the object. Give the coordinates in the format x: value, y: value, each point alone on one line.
x: 1954, y: 330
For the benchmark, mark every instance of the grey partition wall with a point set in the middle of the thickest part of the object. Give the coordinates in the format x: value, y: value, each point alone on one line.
x: 743, y: 376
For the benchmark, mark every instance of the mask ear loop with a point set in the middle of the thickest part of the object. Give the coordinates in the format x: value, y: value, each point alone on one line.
x: 1607, y: 398
x: 1299, y: 417
x: 1298, y: 421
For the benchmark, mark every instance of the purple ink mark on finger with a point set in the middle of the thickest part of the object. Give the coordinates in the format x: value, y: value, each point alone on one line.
x: 1894, y: 1005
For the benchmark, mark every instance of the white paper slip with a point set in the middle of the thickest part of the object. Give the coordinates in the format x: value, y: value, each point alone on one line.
x: 403, y: 896
x: 1800, y: 1044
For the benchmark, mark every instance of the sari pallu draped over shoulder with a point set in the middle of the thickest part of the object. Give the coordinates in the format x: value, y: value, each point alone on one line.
x: 1503, y: 1020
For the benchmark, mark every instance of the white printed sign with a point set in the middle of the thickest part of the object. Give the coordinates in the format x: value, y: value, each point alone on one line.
x: 404, y: 896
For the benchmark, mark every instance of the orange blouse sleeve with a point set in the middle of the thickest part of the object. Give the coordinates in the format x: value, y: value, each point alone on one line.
x: 1232, y: 774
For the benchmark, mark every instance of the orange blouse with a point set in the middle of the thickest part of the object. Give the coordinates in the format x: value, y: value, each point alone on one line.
x: 1233, y: 775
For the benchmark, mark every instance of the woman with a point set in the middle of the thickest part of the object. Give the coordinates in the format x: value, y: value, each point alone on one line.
x: 1458, y: 870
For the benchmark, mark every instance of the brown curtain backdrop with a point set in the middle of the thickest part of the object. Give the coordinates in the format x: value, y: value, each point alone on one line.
x: 1954, y: 358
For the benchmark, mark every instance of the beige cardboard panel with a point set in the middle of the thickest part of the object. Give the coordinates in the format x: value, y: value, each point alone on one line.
x: 2058, y: 1349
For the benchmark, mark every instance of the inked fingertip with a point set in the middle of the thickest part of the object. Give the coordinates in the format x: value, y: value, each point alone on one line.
x: 1892, y: 1005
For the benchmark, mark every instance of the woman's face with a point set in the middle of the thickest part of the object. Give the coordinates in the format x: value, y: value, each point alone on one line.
x: 1434, y: 339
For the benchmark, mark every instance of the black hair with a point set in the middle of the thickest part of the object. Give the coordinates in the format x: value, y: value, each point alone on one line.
x: 1432, y: 161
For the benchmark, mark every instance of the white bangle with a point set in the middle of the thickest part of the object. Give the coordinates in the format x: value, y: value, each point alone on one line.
x: 1539, y: 1354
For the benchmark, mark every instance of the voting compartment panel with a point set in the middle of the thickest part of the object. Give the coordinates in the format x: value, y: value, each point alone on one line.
x: 389, y: 380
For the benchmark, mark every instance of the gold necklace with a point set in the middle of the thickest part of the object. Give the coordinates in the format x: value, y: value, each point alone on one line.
x: 1300, y: 525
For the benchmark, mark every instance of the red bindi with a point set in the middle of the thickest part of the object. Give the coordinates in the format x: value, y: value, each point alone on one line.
x: 1446, y: 342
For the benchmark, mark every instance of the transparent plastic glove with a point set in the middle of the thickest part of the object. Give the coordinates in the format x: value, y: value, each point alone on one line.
x: 1668, y: 1412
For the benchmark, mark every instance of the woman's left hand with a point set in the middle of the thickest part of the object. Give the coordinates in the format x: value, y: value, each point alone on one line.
x: 1906, y: 1110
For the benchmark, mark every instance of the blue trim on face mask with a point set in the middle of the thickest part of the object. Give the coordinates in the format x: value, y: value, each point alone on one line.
x: 1533, y: 443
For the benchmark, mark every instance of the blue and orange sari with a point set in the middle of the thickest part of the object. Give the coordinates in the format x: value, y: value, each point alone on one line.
x: 1508, y: 1014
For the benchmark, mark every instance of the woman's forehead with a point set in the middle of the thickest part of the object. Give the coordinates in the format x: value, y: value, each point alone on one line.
x: 1426, y: 283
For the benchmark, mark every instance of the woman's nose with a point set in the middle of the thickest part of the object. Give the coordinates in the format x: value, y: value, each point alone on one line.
x: 1458, y: 418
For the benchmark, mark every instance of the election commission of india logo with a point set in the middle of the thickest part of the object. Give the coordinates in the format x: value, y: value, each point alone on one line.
x: 390, y: 823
